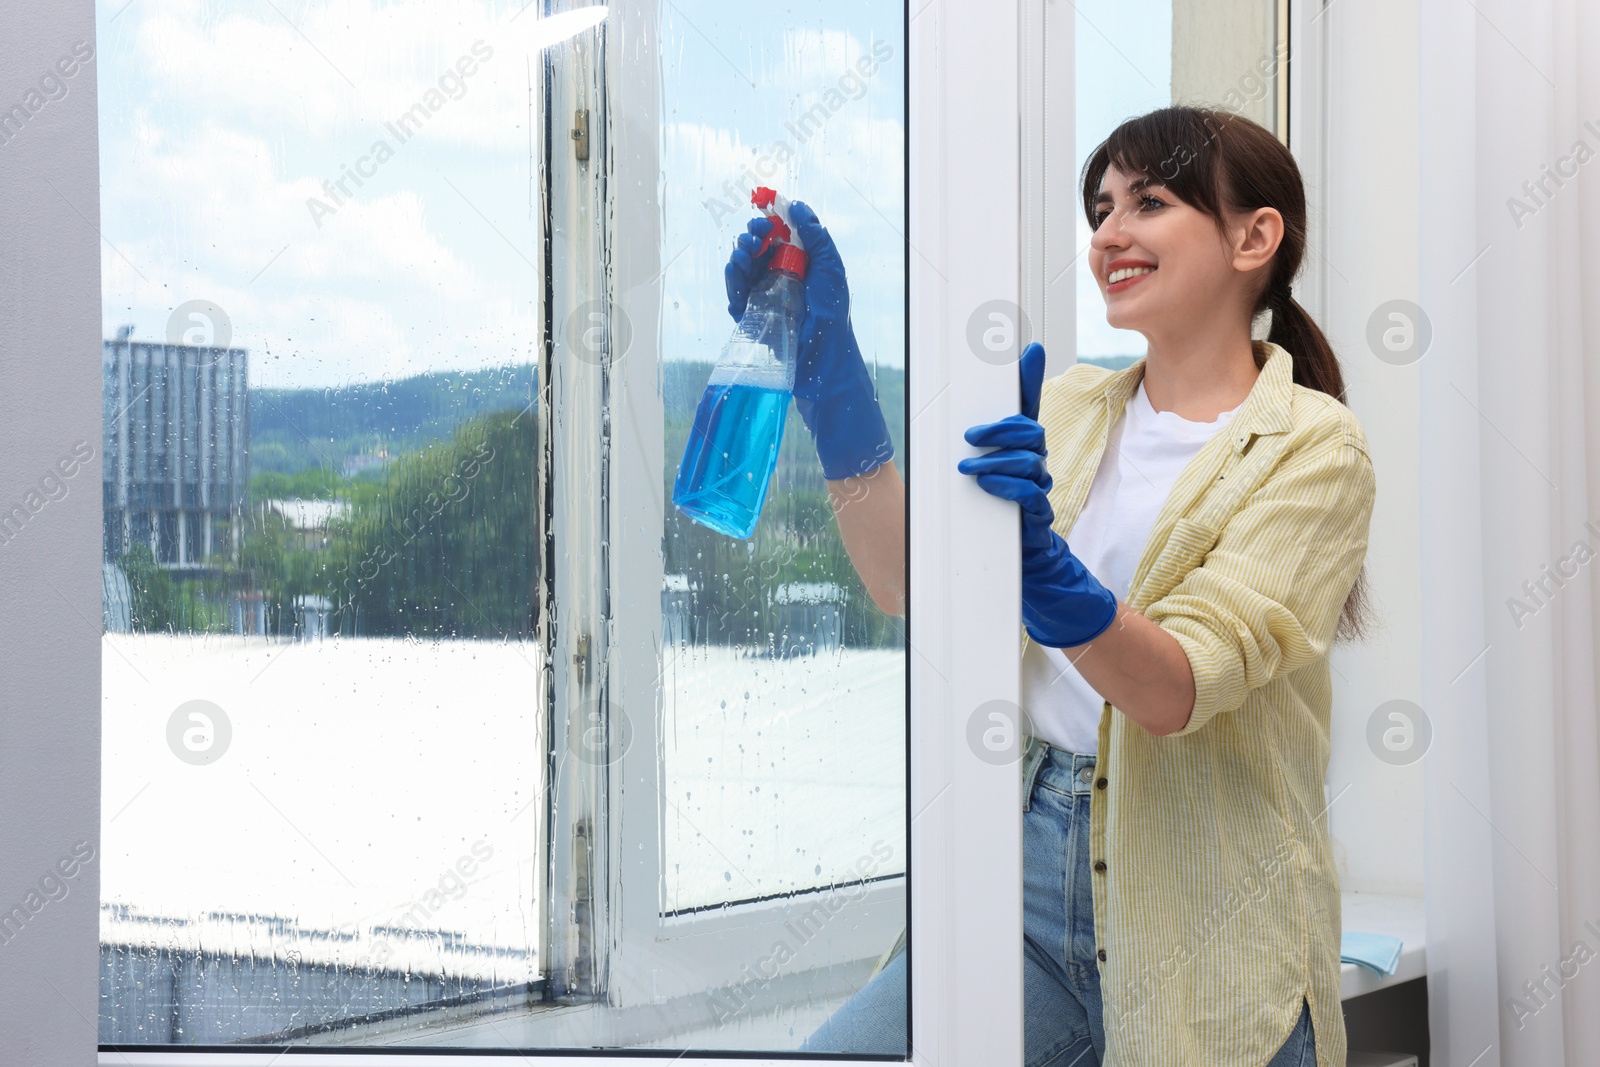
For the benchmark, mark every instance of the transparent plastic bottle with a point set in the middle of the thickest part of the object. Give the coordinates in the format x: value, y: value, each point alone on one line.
x: 738, y: 426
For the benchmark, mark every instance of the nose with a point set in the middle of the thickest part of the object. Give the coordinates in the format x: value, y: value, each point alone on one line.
x: 1109, y: 235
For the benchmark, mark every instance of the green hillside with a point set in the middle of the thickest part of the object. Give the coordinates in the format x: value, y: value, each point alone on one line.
x: 345, y: 429
x: 435, y: 539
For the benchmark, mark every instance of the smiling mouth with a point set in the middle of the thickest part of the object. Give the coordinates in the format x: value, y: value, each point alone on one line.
x: 1118, y: 280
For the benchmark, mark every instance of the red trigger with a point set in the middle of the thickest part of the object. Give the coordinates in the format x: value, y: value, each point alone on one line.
x: 779, y: 232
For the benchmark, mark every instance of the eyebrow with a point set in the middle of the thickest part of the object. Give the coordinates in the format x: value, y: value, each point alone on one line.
x: 1137, y: 185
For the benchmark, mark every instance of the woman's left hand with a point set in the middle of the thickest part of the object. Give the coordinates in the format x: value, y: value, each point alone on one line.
x: 1062, y: 603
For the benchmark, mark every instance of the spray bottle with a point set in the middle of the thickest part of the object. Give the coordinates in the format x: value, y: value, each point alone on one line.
x: 738, y: 426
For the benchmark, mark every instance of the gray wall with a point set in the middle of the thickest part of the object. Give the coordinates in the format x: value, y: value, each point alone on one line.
x: 50, y: 616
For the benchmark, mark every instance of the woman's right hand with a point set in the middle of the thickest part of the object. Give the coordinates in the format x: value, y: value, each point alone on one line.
x: 834, y: 395
x: 745, y: 267
x: 833, y: 389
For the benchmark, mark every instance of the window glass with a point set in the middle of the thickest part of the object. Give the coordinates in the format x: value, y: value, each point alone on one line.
x: 1134, y: 56
x: 783, y: 684
x: 318, y: 373
x: 335, y: 239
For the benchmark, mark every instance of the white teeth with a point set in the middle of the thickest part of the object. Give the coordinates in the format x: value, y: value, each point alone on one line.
x: 1125, y: 273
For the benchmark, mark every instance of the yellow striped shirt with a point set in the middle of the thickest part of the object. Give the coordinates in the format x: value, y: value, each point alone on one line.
x: 1219, y: 905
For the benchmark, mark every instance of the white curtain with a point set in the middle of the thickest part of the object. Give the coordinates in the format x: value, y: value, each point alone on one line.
x: 1511, y: 527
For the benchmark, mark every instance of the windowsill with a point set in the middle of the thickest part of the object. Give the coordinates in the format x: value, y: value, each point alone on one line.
x: 1397, y: 916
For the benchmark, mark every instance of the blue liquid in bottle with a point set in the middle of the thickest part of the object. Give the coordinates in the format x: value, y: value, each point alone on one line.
x: 738, y: 426
x: 732, y: 451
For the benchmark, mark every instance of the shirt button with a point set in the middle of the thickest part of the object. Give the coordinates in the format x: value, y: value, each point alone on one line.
x: 1102, y: 955
x: 1101, y: 784
x: 1100, y: 865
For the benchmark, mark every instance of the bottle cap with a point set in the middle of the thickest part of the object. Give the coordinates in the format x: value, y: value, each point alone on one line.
x: 788, y: 257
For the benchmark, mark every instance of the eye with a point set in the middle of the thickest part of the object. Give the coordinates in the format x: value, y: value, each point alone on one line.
x: 1147, y: 203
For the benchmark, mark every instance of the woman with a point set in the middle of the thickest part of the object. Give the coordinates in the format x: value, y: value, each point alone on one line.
x: 1181, y: 905
x: 1202, y: 906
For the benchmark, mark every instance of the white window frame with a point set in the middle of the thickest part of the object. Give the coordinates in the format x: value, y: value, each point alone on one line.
x: 965, y: 846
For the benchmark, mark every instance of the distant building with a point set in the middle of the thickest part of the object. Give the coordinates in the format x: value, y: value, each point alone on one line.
x: 810, y: 617
x: 677, y: 610
x: 313, y: 616
x: 247, y: 613
x: 116, y: 599
x: 177, y: 464
x: 354, y: 465
x: 801, y: 619
x: 309, y: 519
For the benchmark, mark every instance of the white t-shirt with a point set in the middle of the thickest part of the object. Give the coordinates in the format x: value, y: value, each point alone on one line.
x: 1145, y: 452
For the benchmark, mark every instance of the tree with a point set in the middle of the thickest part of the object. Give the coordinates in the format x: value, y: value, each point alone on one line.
x: 446, y: 547
x: 161, y: 603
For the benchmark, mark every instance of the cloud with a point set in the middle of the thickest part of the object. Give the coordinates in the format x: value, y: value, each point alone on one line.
x: 219, y: 124
x: 339, y: 72
x: 381, y: 288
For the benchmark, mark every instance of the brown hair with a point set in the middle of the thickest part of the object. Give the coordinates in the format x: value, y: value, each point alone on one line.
x: 1215, y: 160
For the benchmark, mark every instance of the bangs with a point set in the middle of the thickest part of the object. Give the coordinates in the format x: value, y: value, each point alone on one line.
x: 1172, y: 146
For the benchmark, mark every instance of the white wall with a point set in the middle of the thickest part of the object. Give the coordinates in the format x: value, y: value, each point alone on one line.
x: 50, y: 611
x: 1215, y: 43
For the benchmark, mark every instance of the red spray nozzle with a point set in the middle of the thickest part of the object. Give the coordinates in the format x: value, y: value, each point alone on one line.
x: 790, y: 253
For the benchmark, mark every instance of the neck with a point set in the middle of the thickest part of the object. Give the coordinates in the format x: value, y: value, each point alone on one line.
x: 1201, y: 373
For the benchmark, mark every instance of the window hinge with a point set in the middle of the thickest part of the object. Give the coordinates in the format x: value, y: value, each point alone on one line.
x: 580, y: 658
x: 580, y: 134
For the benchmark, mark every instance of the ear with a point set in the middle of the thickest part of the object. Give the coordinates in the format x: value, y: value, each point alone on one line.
x: 1256, y: 237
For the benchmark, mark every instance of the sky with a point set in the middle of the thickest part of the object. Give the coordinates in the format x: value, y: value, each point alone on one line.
x: 847, y: 163
x: 1124, y: 68
x: 228, y: 129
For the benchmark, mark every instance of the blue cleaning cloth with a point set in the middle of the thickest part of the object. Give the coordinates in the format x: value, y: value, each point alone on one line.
x: 1378, y: 952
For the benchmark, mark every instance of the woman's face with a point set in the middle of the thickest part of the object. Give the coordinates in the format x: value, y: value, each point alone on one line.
x: 1157, y: 260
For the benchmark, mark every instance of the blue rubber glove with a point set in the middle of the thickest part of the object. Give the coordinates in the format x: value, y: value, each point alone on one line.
x: 832, y: 388
x: 1062, y: 603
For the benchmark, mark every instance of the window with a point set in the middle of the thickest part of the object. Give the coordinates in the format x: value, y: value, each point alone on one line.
x: 964, y: 840
x: 427, y: 718
x: 784, y: 686
x: 322, y: 739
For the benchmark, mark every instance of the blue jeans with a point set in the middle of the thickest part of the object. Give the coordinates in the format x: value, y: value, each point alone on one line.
x: 1061, y: 975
